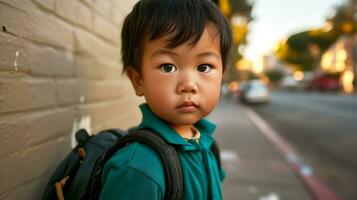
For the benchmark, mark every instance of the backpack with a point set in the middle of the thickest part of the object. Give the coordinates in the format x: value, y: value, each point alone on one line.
x: 78, y: 176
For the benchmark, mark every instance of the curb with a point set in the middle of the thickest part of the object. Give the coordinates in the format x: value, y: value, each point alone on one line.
x: 318, y: 189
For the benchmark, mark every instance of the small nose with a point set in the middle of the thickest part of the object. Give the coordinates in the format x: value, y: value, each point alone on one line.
x: 187, y: 85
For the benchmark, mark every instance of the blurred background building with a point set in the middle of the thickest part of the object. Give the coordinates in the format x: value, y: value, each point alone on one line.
x: 328, y: 51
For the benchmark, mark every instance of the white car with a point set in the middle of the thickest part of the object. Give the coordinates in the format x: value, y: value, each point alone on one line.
x: 288, y: 82
x: 255, y: 92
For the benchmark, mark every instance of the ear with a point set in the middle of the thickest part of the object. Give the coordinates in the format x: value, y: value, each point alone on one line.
x: 136, y: 81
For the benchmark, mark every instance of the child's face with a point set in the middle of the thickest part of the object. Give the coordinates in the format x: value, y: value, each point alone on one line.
x: 181, y: 85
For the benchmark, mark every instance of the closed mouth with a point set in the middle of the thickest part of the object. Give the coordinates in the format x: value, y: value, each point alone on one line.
x: 188, y: 104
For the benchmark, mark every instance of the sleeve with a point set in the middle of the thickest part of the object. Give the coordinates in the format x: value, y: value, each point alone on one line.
x: 127, y: 183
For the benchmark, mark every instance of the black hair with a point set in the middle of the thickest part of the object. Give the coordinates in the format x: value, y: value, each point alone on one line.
x: 180, y: 21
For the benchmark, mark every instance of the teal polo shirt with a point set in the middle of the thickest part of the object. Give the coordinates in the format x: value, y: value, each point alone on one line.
x: 136, y: 172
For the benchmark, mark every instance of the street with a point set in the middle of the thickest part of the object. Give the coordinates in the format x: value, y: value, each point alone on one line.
x: 255, y: 170
x: 322, y: 128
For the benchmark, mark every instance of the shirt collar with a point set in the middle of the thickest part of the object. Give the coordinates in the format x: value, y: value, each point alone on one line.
x: 151, y: 121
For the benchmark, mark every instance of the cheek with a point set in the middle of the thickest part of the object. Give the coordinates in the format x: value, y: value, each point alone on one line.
x: 212, y: 93
x: 158, y: 91
x: 213, y: 96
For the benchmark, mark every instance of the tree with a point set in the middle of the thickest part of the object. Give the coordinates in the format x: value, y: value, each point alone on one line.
x: 304, y: 49
x: 238, y: 13
x: 274, y: 75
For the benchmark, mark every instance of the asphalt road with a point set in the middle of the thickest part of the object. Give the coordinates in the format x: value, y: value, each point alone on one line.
x: 255, y: 169
x: 323, y: 129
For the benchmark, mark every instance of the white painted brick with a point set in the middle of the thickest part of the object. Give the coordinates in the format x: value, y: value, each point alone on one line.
x: 13, y: 53
x: 103, y: 90
x: 35, y: 25
x: 106, y: 29
x: 12, y: 138
x: 31, y: 190
x: 125, y: 118
x: 103, y: 114
x: 99, y: 69
x: 20, y: 4
x: 19, y: 55
x: 68, y: 66
x: 68, y: 92
x: 49, y: 4
x: 22, y: 167
x: 20, y: 93
x: 21, y: 131
x: 113, y: 71
x: 48, y: 125
x: 50, y: 30
x: 94, y: 91
x: 49, y: 61
x: 119, y: 14
x: 125, y: 5
x: 84, y: 91
x: 15, y: 21
x: 86, y: 43
x: 87, y: 66
x: 102, y: 7
x: 75, y: 11
x: 120, y: 9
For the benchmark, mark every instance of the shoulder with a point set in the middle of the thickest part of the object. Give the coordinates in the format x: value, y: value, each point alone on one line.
x: 141, y: 158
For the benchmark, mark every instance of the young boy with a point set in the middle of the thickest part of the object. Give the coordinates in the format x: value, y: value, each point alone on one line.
x: 174, y: 53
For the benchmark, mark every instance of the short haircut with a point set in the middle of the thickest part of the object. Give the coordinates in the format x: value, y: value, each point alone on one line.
x: 180, y: 21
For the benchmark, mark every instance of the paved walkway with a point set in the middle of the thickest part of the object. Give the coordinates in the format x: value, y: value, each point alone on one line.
x: 255, y: 169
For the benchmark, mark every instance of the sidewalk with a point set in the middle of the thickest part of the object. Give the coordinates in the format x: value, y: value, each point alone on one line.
x: 255, y: 169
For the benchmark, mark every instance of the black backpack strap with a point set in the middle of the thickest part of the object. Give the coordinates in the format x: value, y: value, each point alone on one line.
x: 167, y: 153
x: 215, y: 150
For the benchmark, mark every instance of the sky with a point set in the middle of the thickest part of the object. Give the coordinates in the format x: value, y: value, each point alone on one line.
x: 277, y: 19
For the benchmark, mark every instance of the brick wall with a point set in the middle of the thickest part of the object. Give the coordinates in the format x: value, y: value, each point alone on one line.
x: 59, y: 70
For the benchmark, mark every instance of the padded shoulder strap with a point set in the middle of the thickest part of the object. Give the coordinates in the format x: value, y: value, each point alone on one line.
x: 215, y: 150
x: 167, y: 153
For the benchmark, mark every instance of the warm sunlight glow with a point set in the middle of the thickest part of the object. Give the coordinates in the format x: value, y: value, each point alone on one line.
x: 341, y: 54
x: 326, y: 61
x: 225, y: 7
x: 327, y: 26
x: 264, y: 79
x: 258, y: 66
x: 347, y: 81
x: 243, y: 64
x: 298, y: 75
x: 233, y: 86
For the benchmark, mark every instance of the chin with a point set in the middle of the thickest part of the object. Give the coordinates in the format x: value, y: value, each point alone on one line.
x: 184, y: 122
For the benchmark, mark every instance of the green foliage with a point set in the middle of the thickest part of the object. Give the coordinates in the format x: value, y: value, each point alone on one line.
x: 274, y: 75
x: 305, y: 48
x: 252, y: 76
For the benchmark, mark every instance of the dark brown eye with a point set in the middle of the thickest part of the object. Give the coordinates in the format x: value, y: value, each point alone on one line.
x: 168, y: 68
x: 205, y: 68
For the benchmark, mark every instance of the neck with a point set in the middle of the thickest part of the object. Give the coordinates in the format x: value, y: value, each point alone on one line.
x: 184, y: 130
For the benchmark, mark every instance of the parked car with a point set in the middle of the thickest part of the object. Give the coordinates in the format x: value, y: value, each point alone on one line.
x: 289, y: 83
x: 254, y: 92
x: 324, y: 82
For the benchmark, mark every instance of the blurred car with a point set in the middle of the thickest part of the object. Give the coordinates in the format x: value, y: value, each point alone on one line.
x: 324, y: 82
x: 254, y: 92
x: 289, y: 83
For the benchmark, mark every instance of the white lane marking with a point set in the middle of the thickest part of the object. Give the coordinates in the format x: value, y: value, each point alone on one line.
x: 271, y: 196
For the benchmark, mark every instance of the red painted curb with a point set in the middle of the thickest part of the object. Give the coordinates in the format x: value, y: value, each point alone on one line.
x: 319, y: 190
